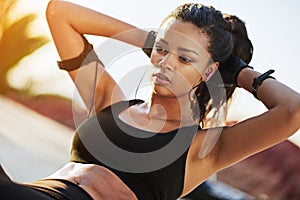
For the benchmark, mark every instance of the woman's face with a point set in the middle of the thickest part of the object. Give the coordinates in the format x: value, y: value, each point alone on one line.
x: 181, y: 59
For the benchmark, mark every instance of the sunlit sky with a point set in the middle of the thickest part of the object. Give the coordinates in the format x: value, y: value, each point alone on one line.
x: 273, y: 27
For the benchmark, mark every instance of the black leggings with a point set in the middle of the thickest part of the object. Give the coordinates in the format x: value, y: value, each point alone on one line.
x: 46, y: 189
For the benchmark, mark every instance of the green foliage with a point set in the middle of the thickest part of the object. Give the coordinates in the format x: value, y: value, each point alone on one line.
x: 15, y: 43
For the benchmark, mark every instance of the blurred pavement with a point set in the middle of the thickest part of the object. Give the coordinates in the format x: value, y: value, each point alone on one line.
x: 32, y: 146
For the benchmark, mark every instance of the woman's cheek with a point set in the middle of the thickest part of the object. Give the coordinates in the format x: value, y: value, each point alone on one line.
x: 155, y: 58
x: 182, y: 85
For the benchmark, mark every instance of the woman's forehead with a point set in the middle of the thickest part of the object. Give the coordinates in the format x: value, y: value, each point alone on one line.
x: 183, y: 34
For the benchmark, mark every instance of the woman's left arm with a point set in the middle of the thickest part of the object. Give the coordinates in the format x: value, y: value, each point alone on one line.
x: 258, y: 133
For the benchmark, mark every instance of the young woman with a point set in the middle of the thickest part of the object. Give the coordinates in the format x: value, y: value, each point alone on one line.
x: 159, y: 149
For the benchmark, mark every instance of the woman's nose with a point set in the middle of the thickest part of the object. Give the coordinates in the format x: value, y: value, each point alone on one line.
x: 167, y: 61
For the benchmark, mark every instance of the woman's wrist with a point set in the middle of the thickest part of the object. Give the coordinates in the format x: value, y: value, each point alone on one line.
x: 149, y: 42
x: 251, y: 80
x: 259, y: 80
x: 245, y: 78
x: 240, y: 65
x: 135, y: 37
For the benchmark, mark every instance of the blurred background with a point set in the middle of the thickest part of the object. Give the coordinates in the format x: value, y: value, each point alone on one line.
x: 33, y: 91
x: 273, y: 27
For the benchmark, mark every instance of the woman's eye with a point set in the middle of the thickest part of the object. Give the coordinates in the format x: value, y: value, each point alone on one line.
x: 160, y: 49
x: 184, y: 59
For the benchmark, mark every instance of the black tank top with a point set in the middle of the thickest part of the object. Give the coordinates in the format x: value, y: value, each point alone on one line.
x: 151, y: 165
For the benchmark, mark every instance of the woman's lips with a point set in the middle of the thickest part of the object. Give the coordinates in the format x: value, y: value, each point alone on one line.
x: 161, y: 79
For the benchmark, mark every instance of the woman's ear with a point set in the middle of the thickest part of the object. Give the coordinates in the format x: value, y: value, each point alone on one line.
x: 210, y: 70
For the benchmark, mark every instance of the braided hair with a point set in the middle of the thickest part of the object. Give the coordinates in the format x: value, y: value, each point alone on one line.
x: 227, y: 36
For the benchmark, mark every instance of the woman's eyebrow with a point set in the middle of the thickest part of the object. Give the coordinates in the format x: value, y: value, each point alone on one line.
x: 187, y: 50
x: 163, y: 41
x: 179, y: 48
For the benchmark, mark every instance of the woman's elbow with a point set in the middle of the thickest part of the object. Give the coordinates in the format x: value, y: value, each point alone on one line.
x: 293, y: 112
x: 53, y: 10
x: 297, y: 113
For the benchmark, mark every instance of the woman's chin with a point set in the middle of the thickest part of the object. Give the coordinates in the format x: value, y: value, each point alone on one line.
x: 162, y: 90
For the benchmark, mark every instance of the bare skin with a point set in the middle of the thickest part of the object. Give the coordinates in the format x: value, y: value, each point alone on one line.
x: 169, y: 100
x: 108, y: 186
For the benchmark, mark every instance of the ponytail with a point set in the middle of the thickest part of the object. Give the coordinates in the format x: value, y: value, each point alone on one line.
x: 242, y: 47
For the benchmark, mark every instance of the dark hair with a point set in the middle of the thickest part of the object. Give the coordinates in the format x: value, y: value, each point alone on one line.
x: 243, y: 47
x: 227, y: 36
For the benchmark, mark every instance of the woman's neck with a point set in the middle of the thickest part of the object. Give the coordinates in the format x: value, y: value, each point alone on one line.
x: 172, y: 109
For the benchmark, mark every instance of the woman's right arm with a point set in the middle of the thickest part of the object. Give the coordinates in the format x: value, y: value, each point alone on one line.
x: 68, y: 23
